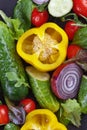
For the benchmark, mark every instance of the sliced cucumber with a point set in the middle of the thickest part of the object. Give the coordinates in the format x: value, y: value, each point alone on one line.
x: 59, y: 8
x: 40, y: 85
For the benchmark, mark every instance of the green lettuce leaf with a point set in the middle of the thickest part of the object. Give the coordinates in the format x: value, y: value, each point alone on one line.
x: 22, y: 11
x: 71, y: 112
x: 13, y: 25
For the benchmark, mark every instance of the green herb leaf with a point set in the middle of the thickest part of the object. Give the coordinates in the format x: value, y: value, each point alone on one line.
x: 21, y: 81
x: 80, y: 37
x: 12, y: 76
x: 22, y: 11
x: 72, y: 111
x: 13, y: 25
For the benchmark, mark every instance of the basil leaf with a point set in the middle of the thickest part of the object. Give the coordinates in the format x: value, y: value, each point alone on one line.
x: 80, y: 37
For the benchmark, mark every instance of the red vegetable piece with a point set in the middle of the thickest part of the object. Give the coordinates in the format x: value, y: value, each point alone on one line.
x: 39, y: 17
x: 72, y: 50
x: 80, y: 7
x: 28, y: 104
x: 70, y: 28
x: 4, y: 116
x: 65, y: 80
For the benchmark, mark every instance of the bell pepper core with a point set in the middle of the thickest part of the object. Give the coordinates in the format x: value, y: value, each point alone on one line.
x: 42, y: 119
x: 44, y: 47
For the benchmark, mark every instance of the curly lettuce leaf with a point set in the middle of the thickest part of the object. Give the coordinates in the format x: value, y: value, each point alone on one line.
x: 71, y: 112
x: 13, y: 25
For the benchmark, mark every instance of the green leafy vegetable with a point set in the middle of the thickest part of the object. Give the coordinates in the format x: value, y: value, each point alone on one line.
x: 13, y: 25
x: 22, y: 11
x: 71, y: 111
x: 80, y: 59
x: 11, y: 126
x: 12, y: 76
x: 11, y: 62
x: 80, y: 37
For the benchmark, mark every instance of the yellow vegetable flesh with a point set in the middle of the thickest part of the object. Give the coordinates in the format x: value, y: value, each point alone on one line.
x: 42, y: 119
x: 45, y: 47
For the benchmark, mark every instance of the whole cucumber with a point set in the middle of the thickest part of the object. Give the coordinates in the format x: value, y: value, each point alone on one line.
x: 12, y: 74
x: 40, y: 86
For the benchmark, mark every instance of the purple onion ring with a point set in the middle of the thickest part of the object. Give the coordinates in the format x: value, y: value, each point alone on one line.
x: 68, y: 81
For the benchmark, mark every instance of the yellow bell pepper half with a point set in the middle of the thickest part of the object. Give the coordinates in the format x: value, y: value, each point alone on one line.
x: 42, y: 119
x: 44, y: 47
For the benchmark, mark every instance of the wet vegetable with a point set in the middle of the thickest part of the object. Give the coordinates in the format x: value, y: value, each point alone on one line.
x: 70, y: 28
x: 70, y: 112
x: 40, y: 86
x: 80, y: 37
x: 4, y: 114
x: 39, y: 17
x: 11, y: 126
x: 59, y: 8
x: 28, y: 104
x: 42, y: 119
x: 12, y: 74
x: 80, y: 59
x: 13, y: 78
x: 22, y: 11
x: 65, y: 80
x: 16, y: 113
x: 72, y: 50
x: 80, y: 8
x: 83, y: 94
x: 45, y: 47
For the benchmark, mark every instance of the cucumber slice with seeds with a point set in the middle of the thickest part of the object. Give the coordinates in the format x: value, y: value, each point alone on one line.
x: 58, y: 8
x: 40, y: 85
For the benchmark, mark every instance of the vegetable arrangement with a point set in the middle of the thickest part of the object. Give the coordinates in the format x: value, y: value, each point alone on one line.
x: 43, y: 65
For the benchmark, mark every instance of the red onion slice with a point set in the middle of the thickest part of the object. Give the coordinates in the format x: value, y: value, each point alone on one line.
x: 65, y: 85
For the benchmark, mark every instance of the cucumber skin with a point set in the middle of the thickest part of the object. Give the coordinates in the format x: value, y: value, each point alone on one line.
x: 82, y: 95
x: 9, y: 61
x: 43, y: 94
